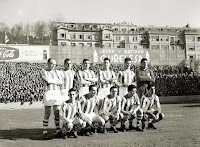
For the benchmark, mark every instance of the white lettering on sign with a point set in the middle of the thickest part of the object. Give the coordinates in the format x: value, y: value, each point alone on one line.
x: 106, y: 51
x: 118, y: 55
x: 8, y: 53
x: 120, y: 58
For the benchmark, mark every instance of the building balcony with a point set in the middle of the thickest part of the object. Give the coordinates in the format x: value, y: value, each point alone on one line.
x: 124, y: 32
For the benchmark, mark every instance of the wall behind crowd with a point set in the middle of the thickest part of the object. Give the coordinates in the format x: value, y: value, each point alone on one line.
x: 77, y: 54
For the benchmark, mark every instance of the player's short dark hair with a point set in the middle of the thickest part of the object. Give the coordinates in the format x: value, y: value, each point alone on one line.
x: 66, y: 60
x: 150, y: 84
x: 131, y: 87
x: 113, y: 87
x: 144, y: 59
x: 84, y: 60
x: 127, y: 59
x: 72, y: 89
x: 49, y: 60
x: 106, y: 59
x: 90, y: 87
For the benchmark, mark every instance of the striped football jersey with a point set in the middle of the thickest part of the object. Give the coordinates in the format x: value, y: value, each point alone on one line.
x: 88, y: 104
x: 126, y: 77
x: 129, y: 103
x: 70, y: 109
x: 112, y: 104
x: 106, y: 75
x: 68, y: 78
x: 86, y: 74
x: 49, y: 78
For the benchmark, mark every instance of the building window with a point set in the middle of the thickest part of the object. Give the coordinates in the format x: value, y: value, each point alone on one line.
x: 191, y: 47
x: 163, y: 38
x: 62, y: 35
x: 63, y: 43
x: 107, y: 36
x: 81, y: 44
x: 89, y: 44
x: 89, y: 37
x: 123, y: 29
x: 97, y: 45
x: 135, y: 47
x: 73, y: 44
x: 118, y: 38
x: 134, y: 38
x: 73, y: 36
x: 198, y: 38
x: 155, y: 38
x: 80, y: 36
x: 133, y: 30
x: 116, y: 29
x: 96, y: 37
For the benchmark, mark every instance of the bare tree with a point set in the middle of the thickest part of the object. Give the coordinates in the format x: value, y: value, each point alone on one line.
x: 3, y: 27
x: 40, y: 28
x: 50, y: 28
x: 18, y: 29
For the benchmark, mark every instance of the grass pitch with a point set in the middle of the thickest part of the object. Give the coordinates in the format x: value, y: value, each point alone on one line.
x: 180, y: 128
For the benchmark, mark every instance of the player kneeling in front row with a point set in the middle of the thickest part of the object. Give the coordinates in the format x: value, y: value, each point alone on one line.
x: 148, y: 101
x: 131, y: 109
x: 88, y: 103
x: 112, y: 108
x: 71, y: 115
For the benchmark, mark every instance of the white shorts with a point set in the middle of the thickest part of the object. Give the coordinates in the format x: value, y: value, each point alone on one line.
x: 90, y: 116
x: 65, y: 95
x: 53, y: 97
x: 93, y: 118
x: 83, y: 91
x: 103, y: 92
x: 76, y: 121
x: 123, y: 91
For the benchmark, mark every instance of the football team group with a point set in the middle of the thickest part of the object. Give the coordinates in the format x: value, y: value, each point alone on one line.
x: 121, y: 98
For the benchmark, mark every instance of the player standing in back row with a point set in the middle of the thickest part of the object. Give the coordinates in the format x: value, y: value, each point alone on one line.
x: 52, y: 96
x: 107, y: 78
x: 87, y: 77
x: 125, y: 78
x: 67, y: 76
x: 144, y: 76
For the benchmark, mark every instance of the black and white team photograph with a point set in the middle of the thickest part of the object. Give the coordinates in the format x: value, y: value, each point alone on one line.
x: 99, y: 73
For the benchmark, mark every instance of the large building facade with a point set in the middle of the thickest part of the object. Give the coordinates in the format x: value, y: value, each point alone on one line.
x: 126, y: 35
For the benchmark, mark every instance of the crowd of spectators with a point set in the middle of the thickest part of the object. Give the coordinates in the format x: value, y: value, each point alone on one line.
x: 22, y: 81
